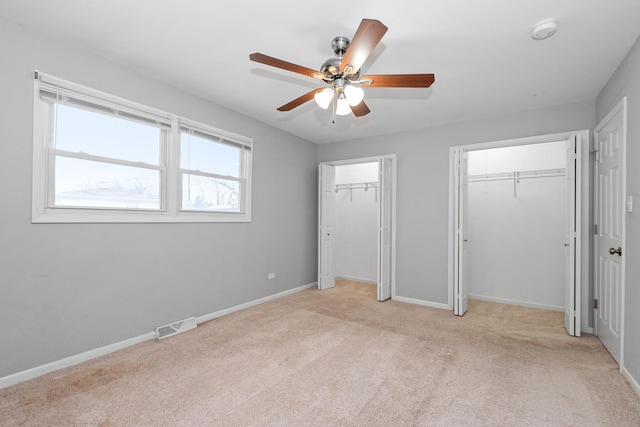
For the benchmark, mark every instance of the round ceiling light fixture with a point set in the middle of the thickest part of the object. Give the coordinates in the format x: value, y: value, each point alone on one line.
x: 545, y: 29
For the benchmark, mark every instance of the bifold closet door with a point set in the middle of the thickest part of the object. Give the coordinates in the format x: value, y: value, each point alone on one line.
x: 384, y: 229
x: 326, y: 215
x: 461, y: 298
x: 572, y: 236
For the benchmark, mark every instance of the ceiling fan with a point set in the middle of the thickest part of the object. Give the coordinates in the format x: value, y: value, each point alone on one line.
x: 342, y: 73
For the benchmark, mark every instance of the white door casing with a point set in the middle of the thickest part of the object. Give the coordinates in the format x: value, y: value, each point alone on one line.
x: 326, y: 223
x: 384, y: 228
x: 572, y: 235
x: 610, y: 140
x: 456, y: 268
x: 461, y: 227
x: 326, y: 219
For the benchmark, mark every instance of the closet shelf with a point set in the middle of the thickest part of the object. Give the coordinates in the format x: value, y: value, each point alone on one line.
x: 517, y: 176
x: 508, y: 176
x: 356, y: 186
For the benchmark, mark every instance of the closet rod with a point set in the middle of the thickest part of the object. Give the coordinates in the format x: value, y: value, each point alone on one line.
x: 508, y: 176
x: 357, y: 185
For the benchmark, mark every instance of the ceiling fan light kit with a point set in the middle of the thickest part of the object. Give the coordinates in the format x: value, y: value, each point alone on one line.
x: 354, y: 94
x: 342, y: 73
x: 324, y: 98
x: 342, y: 105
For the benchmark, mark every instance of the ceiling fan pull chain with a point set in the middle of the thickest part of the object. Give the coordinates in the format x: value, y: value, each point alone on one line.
x: 333, y: 113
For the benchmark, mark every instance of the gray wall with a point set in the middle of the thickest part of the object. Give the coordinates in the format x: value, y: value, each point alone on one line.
x: 70, y: 288
x: 423, y: 184
x: 626, y: 82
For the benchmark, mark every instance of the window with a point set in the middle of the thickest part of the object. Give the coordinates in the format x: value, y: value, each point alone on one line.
x: 98, y: 158
x: 210, y: 172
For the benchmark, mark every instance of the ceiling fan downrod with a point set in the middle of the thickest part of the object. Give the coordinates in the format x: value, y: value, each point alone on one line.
x: 340, y: 45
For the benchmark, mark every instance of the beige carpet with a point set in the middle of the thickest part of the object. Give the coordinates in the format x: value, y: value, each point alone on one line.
x: 339, y: 358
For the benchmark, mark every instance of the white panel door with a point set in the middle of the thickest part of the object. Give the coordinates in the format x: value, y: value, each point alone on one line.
x: 572, y: 236
x: 384, y: 229
x: 326, y: 219
x: 461, y: 227
x: 609, y: 217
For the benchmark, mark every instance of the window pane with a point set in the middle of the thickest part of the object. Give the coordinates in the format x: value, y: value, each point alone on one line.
x: 209, y: 194
x: 102, y: 185
x: 206, y: 155
x: 102, y: 135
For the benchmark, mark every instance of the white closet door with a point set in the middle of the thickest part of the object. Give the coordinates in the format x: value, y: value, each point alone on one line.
x: 326, y: 217
x: 461, y: 226
x: 572, y: 237
x: 384, y: 229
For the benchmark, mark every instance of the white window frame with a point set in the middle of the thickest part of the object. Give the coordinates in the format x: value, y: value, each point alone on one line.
x: 196, y: 128
x: 43, y: 210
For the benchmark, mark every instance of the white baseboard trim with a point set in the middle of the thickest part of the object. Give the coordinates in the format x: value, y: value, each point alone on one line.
x: 215, y: 315
x: 423, y: 303
x: 32, y: 373
x: 358, y: 279
x: 632, y: 381
x: 516, y: 302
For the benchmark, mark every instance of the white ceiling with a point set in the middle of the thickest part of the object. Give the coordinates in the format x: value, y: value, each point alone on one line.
x: 481, y: 52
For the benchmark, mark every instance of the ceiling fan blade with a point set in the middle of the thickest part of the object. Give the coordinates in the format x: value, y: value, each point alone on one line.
x: 360, y: 110
x: 399, y: 80
x: 367, y: 37
x: 278, y: 63
x: 299, y: 101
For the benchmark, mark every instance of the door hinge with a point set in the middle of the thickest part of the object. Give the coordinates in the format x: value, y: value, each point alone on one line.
x: 595, y: 229
x: 595, y: 304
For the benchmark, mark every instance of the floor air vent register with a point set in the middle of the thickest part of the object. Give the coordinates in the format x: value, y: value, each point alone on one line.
x: 175, y: 328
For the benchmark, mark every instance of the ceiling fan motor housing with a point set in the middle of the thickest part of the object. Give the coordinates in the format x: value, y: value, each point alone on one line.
x: 331, y: 66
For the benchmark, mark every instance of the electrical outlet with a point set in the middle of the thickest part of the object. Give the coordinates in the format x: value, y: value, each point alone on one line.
x: 271, y: 276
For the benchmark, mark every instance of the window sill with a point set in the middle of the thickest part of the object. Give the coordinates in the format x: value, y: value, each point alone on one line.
x: 67, y: 216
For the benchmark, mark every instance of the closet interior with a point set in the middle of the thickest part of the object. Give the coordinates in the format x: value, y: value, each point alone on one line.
x: 516, y: 220
x: 356, y: 222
